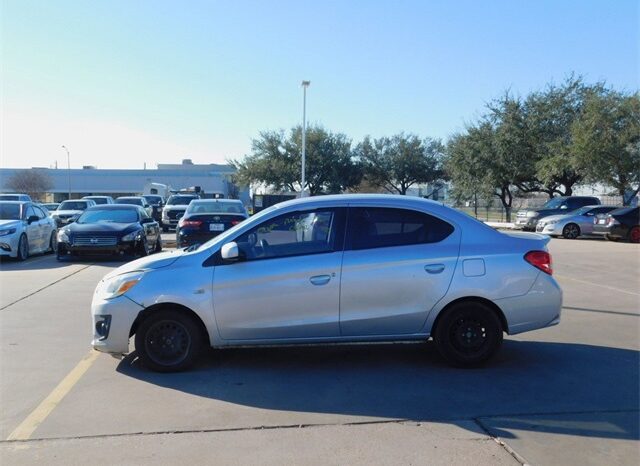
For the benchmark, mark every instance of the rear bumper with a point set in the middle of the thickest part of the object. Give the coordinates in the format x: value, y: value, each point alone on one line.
x: 541, y: 307
x: 186, y: 238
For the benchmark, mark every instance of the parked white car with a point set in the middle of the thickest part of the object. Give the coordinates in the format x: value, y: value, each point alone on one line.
x: 573, y: 224
x: 68, y: 211
x: 333, y: 269
x: 25, y: 229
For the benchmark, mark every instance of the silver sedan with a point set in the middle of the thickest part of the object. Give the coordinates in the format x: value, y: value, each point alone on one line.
x: 333, y: 269
x: 25, y: 229
x: 573, y: 224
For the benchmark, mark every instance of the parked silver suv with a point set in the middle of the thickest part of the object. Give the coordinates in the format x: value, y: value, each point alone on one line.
x: 527, y: 219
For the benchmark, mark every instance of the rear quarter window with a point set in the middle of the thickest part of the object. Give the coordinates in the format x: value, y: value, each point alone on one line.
x: 379, y: 227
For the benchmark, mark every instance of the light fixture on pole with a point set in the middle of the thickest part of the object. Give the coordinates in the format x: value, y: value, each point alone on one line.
x: 68, y: 171
x: 305, y: 84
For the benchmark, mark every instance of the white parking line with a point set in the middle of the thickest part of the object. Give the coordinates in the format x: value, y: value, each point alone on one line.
x: 619, y: 290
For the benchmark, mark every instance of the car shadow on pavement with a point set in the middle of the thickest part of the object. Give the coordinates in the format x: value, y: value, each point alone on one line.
x: 410, y: 381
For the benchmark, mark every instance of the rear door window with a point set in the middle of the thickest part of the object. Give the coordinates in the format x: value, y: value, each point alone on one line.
x: 375, y: 227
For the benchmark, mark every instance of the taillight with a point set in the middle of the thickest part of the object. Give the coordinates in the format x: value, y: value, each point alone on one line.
x: 190, y: 223
x: 613, y: 221
x: 234, y: 222
x: 540, y: 260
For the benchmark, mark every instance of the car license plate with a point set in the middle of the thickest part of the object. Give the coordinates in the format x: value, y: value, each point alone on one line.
x: 216, y: 227
x: 602, y: 221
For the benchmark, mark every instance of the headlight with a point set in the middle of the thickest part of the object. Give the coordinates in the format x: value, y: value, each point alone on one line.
x: 135, y: 235
x: 10, y: 231
x: 118, y: 285
x: 63, y: 236
x: 532, y: 214
x: 551, y: 222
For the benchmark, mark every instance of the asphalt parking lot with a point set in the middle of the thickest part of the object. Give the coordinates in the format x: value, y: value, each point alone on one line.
x: 563, y: 395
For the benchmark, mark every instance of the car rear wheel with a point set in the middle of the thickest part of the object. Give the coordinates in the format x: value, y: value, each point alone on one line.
x: 23, y: 248
x: 571, y: 231
x: 468, y: 334
x: 634, y: 234
x: 158, y: 247
x: 168, y: 341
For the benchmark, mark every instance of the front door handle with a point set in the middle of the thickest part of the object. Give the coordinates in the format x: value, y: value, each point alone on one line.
x: 434, y: 268
x: 320, y: 279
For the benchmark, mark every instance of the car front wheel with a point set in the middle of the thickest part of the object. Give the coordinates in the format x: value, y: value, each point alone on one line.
x: 468, y: 334
x: 23, y: 248
x: 168, y: 341
x: 571, y: 231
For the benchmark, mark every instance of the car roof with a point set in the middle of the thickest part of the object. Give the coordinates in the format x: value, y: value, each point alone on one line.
x: 114, y: 207
x: 16, y: 202
x: 129, y: 197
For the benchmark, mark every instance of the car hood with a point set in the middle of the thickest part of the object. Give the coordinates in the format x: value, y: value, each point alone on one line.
x: 66, y: 212
x: 10, y: 223
x: 103, y: 227
x: 155, y: 261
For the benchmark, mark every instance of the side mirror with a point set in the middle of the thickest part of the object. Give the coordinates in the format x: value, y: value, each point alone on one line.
x: 32, y: 218
x: 563, y: 207
x: 230, y: 251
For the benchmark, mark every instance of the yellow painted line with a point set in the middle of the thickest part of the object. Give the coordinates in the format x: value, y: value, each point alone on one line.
x: 619, y: 290
x: 38, y: 415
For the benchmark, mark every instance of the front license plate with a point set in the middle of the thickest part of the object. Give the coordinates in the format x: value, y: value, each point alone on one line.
x: 216, y: 227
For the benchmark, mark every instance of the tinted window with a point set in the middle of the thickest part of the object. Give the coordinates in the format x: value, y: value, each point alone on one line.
x: 9, y: 211
x: 39, y: 212
x: 291, y: 234
x: 129, y: 200
x: 99, y: 200
x: 215, y: 207
x: 385, y: 227
x: 30, y: 212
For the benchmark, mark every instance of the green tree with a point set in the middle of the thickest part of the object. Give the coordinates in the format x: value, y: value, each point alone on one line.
x: 398, y: 162
x: 607, y: 141
x: 275, y: 160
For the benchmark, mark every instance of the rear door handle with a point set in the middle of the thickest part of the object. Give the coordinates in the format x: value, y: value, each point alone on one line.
x: 434, y: 268
x: 320, y: 279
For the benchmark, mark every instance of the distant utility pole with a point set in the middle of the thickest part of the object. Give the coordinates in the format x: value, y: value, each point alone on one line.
x: 68, y: 171
x: 305, y: 84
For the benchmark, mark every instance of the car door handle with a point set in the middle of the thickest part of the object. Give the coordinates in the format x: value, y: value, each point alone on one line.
x: 434, y: 268
x: 320, y: 279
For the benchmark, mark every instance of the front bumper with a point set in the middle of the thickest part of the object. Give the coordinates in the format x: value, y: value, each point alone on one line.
x: 548, y: 229
x: 9, y: 245
x: 121, y: 248
x: 526, y: 223
x: 122, y: 313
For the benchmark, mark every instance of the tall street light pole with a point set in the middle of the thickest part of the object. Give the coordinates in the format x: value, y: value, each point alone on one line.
x: 68, y: 171
x: 305, y: 84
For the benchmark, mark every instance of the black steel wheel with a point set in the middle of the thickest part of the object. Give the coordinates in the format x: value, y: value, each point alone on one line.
x: 23, y: 248
x: 571, y: 231
x: 468, y: 334
x: 168, y: 341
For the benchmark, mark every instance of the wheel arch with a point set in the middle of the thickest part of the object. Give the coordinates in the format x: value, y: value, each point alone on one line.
x: 472, y: 299
x: 148, y: 311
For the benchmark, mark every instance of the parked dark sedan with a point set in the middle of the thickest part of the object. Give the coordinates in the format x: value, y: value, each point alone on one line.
x: 110, y: 229
x: 207, y: 218
x: 621, y: 224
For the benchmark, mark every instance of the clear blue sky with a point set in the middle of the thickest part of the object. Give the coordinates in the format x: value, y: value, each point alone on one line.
x: 122, y: 83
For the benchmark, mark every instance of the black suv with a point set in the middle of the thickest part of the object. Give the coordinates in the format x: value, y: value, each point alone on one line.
x: 527, y: 219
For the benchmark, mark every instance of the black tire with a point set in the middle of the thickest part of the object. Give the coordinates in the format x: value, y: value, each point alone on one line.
x: 634, y: 234
x: 608, y: 237
x: 158, y: 247
x: 23, y: 248
x: 156, y: 343
x: 143, y: 248
x: 53, y: 243
x: 165, y: 229
x: 571, y: 231
x: 468, y: 334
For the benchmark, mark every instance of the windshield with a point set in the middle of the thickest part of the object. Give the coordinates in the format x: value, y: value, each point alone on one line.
x: 553, y: 203
x: 223, y: 237
x: 109, y: 216
x: 215, y: 207
x: 153, y: 199
x: 180, y: 200
x: 98, y: 200
x: 130, y: 201
x: 582, y: 210
x: 10, y: 212
x: 72, y: 205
